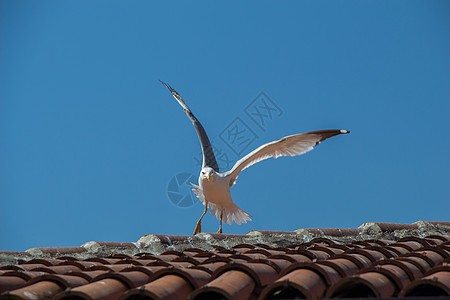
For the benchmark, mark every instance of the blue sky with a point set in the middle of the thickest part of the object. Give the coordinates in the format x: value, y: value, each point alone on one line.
x: 90, y: 140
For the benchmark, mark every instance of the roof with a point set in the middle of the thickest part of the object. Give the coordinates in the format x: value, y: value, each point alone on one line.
x: 375, y: 260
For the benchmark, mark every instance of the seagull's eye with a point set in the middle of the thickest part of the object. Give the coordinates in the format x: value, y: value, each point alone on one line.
x: 203, y: 173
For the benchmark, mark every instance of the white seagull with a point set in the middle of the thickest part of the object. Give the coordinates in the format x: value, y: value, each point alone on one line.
x: 213, y: 188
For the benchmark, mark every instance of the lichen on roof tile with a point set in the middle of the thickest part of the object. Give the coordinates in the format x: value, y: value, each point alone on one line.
x: 376, y: 259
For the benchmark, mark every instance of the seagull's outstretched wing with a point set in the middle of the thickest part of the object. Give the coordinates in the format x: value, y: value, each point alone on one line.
x: 288, y: 146
x: 208, y: 154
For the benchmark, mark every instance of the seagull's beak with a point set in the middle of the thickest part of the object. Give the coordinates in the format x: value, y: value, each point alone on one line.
x: 207, y: 176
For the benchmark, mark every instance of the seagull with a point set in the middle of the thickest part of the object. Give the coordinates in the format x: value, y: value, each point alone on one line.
x: 213, y: 187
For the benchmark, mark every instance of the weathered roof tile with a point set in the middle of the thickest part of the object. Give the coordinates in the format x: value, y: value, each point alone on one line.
x: 374, y: 260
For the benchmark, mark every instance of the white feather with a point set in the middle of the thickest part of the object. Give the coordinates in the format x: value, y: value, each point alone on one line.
x: 288, y: 146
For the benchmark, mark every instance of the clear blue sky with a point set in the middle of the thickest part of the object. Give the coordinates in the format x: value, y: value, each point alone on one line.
x: 89, y: 139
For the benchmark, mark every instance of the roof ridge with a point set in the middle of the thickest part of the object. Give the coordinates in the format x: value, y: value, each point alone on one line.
x: 159, y: 243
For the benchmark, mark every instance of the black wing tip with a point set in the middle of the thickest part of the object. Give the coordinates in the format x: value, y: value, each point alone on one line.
x: 343, y: 131
x: 168, y: 87
x: 165, y: 84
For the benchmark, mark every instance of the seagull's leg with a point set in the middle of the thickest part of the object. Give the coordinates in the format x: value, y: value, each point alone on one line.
x: 198, y: 228
x: 221, y: 218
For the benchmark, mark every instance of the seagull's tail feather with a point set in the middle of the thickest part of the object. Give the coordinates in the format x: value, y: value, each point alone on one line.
x: 231, y: 214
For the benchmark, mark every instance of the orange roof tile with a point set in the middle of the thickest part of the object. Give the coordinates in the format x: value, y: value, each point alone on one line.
x: 375, y: 260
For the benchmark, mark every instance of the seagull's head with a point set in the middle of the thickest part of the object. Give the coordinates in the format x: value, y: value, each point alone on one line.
x: 208, y: 174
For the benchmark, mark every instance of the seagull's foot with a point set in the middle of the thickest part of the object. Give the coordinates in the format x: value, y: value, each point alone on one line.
x: 221, y: 219
x: 198, y: 228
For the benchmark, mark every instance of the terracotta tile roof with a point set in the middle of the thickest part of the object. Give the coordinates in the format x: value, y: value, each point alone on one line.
x: 375, y: 260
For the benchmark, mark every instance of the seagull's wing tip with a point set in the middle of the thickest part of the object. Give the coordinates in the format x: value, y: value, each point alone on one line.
x: 345, y: 131
x: 168, y: 87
